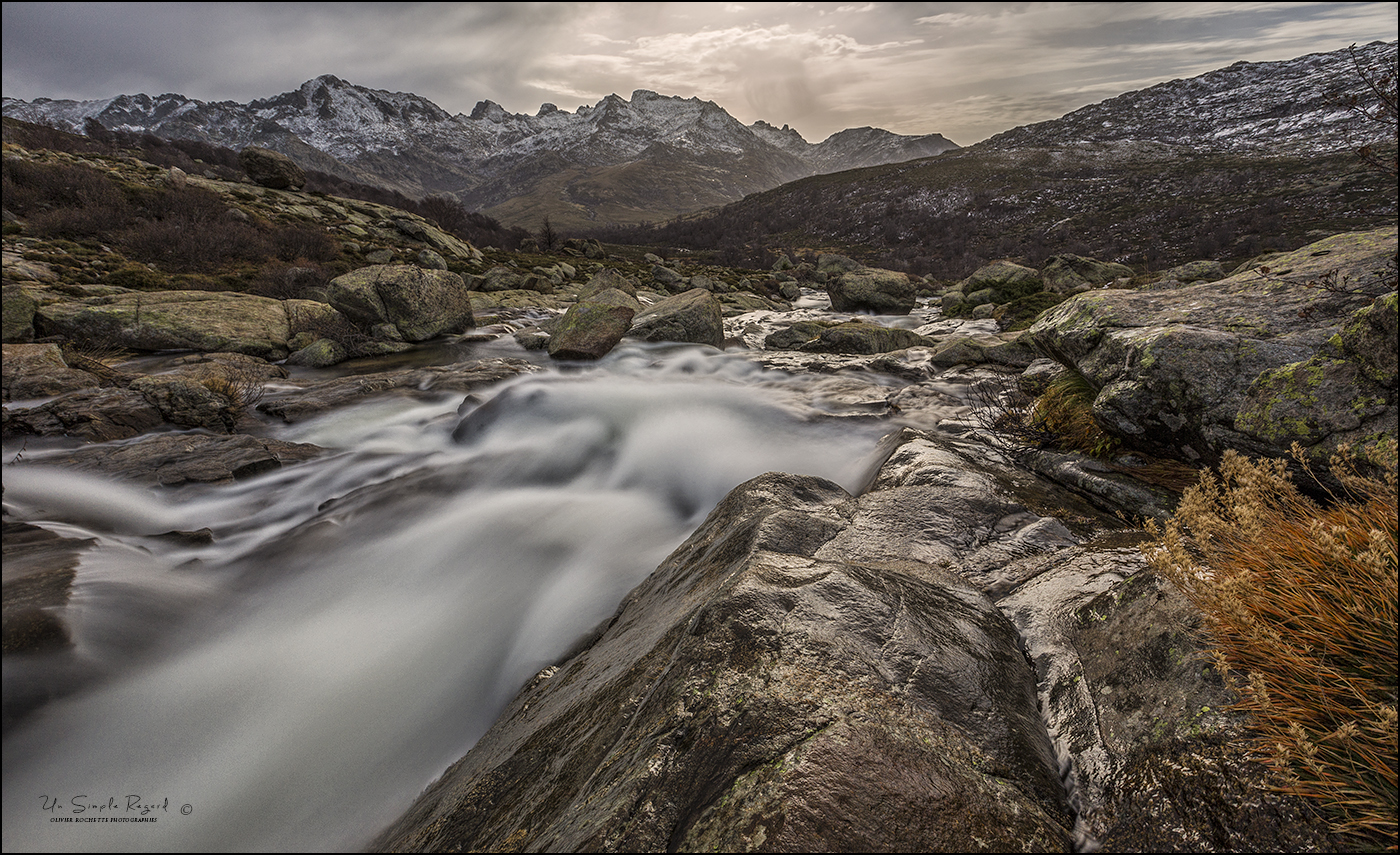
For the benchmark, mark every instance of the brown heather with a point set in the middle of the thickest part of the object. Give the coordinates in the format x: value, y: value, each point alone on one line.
x: 1301, y: 600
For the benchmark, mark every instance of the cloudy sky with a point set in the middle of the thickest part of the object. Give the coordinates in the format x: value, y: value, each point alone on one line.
x: 964, y: 70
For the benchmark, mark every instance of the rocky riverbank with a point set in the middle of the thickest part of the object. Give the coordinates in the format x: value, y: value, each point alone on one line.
x: 966, y: 653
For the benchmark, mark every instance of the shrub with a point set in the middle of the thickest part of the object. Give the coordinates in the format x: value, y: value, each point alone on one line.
x: 34, y: 137
x: 450, y: 215
x: 310, y: 243
x: 330, y: 325
x: 63, y: 200
x: 299, y: 279
x: 138, y: 277
x: 181, y: 243
x: 78, y: 222
x: 1061, y: 418
x: 1301, y: 600
x: 95, y: 355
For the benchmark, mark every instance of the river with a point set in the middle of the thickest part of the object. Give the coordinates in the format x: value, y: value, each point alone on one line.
x: 358, y: 620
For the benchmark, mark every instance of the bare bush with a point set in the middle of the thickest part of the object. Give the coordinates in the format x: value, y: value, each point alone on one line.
x: 241, y: 387
x: 311, y: 243
x: 97, y: 355
x: 1061, y: 418
x: 1378, y: 108
x: 1007, y: 415
x: 63, y: 200
x: 297, y: 280
x: 332, y: 326
x: 183, y: 246
x: 449, y: 214
x: 37, y: 136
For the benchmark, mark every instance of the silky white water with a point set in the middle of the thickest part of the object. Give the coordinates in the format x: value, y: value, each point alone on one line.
x: 360, y: 619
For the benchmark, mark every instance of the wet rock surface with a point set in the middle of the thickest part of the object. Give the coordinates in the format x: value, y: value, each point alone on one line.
x: 38, y: 577
x: 769, y: 678
x: 39, y: 568
x: 937, y: 664
x: 174, y: 460
x: 1163, y: 763
x: 96, y: 415
x: 311, y: 398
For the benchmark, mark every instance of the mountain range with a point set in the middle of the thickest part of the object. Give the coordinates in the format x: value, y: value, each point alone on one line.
x: 619, y: 161
x: 1238, y: 161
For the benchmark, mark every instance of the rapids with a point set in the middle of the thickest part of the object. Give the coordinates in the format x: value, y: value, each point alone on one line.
x: 358, y: 620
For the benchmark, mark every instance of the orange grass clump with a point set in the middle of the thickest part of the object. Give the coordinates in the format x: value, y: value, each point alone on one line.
x: 1301, y: 601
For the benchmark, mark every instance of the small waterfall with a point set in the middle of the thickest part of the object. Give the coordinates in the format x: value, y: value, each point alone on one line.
x: 359, y: 619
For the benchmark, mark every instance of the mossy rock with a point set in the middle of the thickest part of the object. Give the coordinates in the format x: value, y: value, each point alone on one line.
x: 18, y: 314
x: 1000, y: 282
x: 793, y: 337
x: 1020, y: 313
x: 860, y: 337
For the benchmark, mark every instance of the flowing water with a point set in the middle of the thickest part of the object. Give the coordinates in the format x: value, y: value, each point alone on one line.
x: 359, y: 619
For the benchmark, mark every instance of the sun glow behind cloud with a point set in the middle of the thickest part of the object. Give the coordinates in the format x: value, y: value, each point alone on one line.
x: 965, y: 70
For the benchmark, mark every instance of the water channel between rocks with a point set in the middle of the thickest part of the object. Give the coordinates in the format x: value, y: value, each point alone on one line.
x: 359, y: 620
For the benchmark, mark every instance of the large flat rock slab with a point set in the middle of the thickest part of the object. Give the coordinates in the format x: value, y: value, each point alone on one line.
x: 206, y: 321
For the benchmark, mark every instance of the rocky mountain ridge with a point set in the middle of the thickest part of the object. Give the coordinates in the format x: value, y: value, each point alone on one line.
x: 1288, y: 107
x: 685, y: 154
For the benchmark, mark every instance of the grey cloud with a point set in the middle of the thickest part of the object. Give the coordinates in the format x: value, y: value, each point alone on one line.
x: 972, y: 70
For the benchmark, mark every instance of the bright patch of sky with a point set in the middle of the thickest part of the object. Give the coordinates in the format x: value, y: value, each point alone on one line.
x: 964, y: 70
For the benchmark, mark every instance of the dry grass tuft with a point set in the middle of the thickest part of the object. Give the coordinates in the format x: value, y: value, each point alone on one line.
x: 1301, y: 599
x: 1061, y: 418
x: 1066, y: 411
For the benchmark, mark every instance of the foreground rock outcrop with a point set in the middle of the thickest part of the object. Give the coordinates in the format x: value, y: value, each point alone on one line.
x: 817, y: 671
x: 766, y: 689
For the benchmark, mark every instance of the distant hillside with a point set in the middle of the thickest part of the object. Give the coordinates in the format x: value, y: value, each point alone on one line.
x: 217, y: 162
x: 1244, y: 159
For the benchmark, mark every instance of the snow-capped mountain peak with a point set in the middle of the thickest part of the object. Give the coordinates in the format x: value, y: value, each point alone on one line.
x: 491, y: 154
